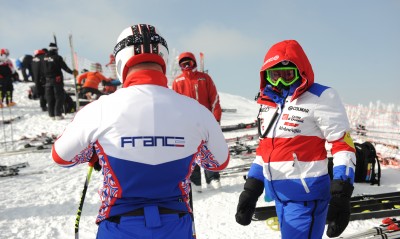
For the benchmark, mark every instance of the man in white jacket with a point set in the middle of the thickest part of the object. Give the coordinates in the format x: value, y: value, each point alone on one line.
x: 147, y: 139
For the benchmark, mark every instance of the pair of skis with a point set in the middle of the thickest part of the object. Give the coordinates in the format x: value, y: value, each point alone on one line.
x: 236, y: 169
x: 390, y: 228
x: 12, y: 170
x: 362, y: 207
x: 31, y: 144
x: 239, y: 126
x: 241, y: 147
x: 247, y: 137
x: 10, y: 120
x: 29, y: 148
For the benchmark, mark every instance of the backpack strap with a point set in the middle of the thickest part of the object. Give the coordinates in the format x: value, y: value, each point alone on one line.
x: 376, y: 176
x: 379, y: 170
x: 275, y: 116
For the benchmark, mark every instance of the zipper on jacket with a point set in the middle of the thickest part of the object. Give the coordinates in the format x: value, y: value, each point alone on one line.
x: 274, y: 124
x: 296, y: 164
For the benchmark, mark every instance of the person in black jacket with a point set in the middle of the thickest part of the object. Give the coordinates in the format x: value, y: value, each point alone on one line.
x: 39, y: 77
x: 55, y: 94
x: 26, y: 67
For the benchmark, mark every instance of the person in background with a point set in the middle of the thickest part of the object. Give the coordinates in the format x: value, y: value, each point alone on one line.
x: 7, y: 73
x: 147, y: 140
x: 297, y: 118
x: 24, y: 64
x: 55, y: 93
x: 111, y: 66
x: 112, y: 86
x: 92, y: 79
x: 38, y: 76
x: 199, y: 86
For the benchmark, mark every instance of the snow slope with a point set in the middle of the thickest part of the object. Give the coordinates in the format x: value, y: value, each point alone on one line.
x: 44, y: 205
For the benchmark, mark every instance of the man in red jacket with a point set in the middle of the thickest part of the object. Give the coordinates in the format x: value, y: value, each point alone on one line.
x: 199, y: 86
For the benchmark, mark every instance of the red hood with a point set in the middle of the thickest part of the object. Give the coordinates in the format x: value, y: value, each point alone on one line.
x: 289, y: 50
x: 188, y: 55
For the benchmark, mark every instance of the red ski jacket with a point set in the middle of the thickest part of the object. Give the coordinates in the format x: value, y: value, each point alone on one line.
x: 199, y: 86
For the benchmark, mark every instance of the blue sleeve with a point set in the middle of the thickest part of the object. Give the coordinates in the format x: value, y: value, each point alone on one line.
x: 256, y: 171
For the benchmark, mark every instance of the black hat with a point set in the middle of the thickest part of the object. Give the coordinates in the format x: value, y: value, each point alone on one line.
x: 52, y: 46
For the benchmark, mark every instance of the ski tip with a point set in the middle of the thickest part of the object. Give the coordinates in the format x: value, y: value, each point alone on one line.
x: 393, y: 227
x: 388, y: 220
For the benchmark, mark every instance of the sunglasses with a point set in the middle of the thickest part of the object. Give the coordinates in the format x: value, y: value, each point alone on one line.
x: 285, y: 75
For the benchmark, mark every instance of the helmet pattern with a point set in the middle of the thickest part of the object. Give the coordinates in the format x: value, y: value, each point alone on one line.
x: 137, y: 44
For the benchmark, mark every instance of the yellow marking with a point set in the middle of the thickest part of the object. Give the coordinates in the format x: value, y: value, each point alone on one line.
x: 348, y: 140
x: 273, y: 223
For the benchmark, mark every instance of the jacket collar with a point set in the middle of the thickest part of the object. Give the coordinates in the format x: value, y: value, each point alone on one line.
x: 146, y: 77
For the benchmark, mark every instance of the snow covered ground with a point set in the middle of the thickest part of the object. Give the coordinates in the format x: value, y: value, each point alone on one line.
x: 44, y: 204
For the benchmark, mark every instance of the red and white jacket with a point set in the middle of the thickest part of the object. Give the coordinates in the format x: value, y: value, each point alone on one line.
x: 7, y: 69
x: 199, y: 86
x: 292, y: 157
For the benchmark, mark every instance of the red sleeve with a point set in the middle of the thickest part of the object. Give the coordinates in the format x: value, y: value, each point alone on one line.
x: 177, y: 86
x: 343, y: 144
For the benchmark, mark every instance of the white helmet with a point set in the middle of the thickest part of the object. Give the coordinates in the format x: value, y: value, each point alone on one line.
x: 4, y: 53
x: 137, y: 44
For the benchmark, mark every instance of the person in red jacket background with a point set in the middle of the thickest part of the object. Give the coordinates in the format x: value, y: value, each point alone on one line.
x: 199, y: 86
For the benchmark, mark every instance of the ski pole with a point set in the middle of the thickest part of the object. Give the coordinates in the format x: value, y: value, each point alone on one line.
x: 2, y: 117
x: 78, y: 214
x: 11, y: 119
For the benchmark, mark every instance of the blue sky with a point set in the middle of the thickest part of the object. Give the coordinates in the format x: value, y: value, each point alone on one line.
x: 354, y: 46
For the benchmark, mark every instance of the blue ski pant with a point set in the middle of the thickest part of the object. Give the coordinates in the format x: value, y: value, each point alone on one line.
x: 302, y: 220
x: 169, y: 226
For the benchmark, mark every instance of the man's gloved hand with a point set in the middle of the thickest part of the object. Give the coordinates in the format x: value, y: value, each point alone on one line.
x: 339, y: 207
x: 253, y: 188
x: 78, y: 87
x: 94, y: 162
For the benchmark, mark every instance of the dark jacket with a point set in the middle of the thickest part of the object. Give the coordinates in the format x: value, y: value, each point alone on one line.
x: 38, y: 69
x: 27, y: 61
x: 53, y: 63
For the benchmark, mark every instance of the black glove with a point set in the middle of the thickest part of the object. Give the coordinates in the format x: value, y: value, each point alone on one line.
x: 339, y: 207
x: 94, y: 162
x: 253, y: 188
